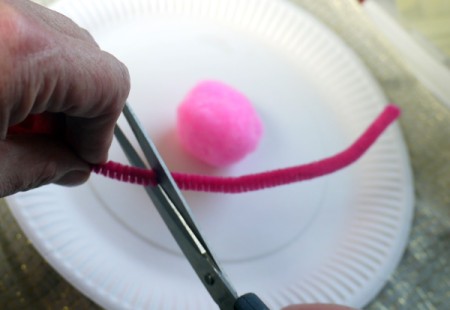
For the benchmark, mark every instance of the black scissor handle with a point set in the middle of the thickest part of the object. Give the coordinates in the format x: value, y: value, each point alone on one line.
x: 250, y: 301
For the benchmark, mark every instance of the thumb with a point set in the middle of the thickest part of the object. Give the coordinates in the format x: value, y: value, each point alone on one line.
x: 29, y: 161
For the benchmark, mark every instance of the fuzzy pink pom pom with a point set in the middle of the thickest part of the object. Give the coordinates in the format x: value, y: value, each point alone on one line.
x: 217, y: 124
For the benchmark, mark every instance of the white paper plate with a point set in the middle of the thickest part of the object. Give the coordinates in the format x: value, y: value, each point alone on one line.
x: 334, y: 239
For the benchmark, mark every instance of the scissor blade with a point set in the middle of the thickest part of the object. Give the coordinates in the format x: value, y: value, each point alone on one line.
x: 199, y: 257
x: 164, y: 177
x: 131, y: 154
x: 175, y: 213
x: 155, y: 193
x: 157, y: 164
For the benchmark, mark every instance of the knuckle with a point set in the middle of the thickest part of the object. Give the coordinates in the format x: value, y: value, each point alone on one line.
x: 67, y: 26
x: 86, y: 35
x: 126, y: 81
x: 122, y: 78
x: 119, y: 78
x: 10, y: 17
x: 20, y: 34
x: 123, y: 88
x: 10, y: 25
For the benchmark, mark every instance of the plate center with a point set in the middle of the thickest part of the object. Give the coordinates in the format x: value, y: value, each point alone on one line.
x: 237, y: 226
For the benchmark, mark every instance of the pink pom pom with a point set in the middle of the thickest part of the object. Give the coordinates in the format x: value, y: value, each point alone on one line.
x: 217, y: 124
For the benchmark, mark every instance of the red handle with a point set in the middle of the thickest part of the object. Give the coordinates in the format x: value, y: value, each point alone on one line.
x: 45, y: 123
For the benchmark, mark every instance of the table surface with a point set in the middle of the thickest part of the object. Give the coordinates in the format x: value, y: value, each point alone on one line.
x: 421, y: 281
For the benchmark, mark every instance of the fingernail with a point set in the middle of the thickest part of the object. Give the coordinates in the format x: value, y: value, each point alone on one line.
x: 73, y: 178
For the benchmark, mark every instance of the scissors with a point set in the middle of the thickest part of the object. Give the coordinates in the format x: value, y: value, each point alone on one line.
x: 177, y: 216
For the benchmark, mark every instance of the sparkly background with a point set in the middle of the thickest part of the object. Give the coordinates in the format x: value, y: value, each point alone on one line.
x: 421, y: 281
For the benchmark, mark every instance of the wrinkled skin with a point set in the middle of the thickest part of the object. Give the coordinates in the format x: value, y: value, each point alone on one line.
x: 48, y: 63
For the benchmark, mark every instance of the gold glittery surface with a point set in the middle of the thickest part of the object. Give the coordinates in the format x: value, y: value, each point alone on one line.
x: 421, y: 281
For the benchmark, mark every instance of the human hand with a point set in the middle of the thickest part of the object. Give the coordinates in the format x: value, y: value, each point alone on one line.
x: 49, y: 64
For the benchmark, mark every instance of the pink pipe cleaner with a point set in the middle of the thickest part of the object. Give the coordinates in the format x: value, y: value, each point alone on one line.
x: 258, y: 181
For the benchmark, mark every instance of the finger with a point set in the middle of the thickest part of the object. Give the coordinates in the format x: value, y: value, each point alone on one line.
x: 31, y: 161
x: 91, y: 137
x: 96, y: 105
x: 91, y: 91
x: 62, y: 75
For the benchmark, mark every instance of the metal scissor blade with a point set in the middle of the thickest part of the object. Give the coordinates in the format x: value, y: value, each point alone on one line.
x: 155, y: 193
x: 158, y: 165
x: 175, y: 213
